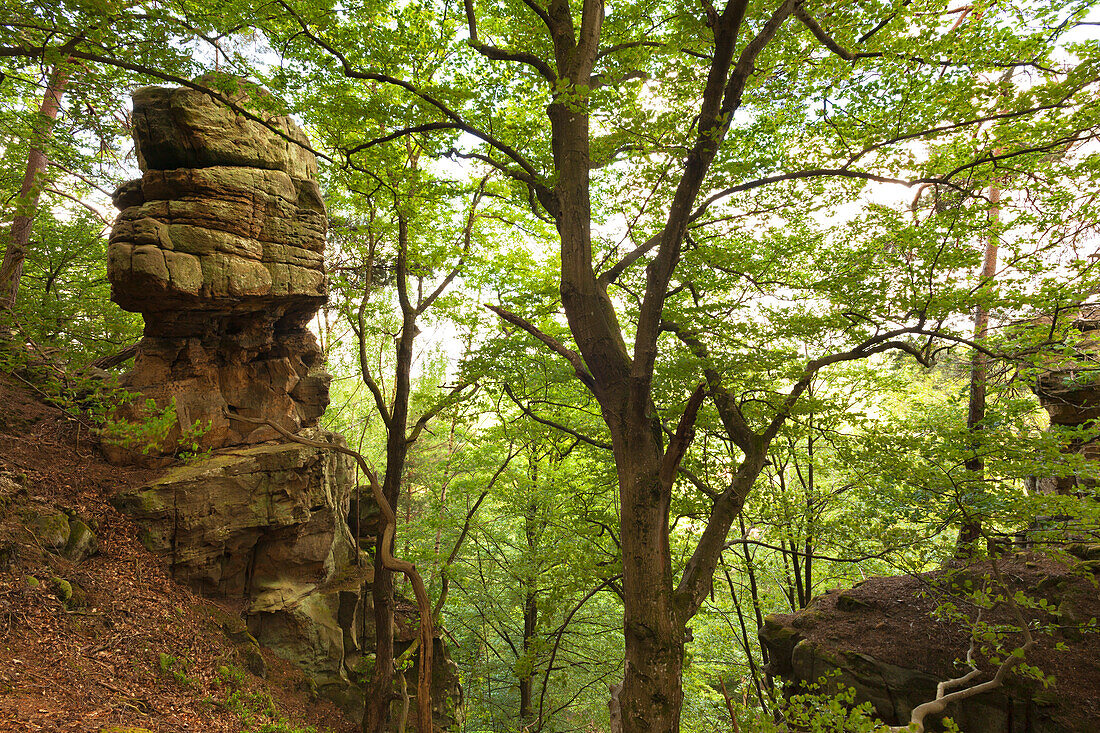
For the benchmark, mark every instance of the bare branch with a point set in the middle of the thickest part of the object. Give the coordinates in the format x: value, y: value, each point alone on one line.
x: 467, y: 240
x: 466, y: 530
x: 403, y: 132
x: 729, y: 412
x: 556, y: 346
x: 353, y: 72
x: 556, y: 425
x: 681, y: 440
x: 612, y: 274
x: 828, y: 41
x: 449, y: 399
x: 364, y: 366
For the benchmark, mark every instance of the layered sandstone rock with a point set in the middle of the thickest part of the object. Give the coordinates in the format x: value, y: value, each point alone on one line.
x: 1069, y: 390
x: 220, y: 246
x: 266, y: 525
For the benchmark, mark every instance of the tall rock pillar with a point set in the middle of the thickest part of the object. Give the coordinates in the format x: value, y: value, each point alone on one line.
x: 220, y: 247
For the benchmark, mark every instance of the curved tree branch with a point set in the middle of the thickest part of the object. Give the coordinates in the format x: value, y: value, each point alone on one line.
x: 423, y: 603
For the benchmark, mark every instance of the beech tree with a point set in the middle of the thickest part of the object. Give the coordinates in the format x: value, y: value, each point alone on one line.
x: 639, y: 131
x: 686, y: 163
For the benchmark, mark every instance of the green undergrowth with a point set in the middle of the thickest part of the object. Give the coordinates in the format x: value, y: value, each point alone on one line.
x: 255, y: 709
x: 120, y: 417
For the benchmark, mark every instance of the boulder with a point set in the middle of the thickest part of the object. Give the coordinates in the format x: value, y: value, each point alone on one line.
x: 250, y: 520
x: 891, y: 648
x: 63, y: 535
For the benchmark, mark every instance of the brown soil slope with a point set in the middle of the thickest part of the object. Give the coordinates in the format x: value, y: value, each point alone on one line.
x: 111, y: 641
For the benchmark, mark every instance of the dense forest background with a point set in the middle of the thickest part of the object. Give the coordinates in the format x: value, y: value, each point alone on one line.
x: 654, y: 317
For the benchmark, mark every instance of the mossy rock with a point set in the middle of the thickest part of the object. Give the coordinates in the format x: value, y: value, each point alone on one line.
x: 847, y: 602
x: 1085, y: 550
x: 82, y: 542
x: 1045, y: 698
x: 52, y: 530
x: 1053, y: 586
x: 79, y: 598
x: 9, y: 553
x: 63, y: 589
x: 776, y: 630
x: 1092, y: 566
x: 253, y: 660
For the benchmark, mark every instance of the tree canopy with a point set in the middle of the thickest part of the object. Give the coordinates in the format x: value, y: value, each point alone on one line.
x: 734, y: 260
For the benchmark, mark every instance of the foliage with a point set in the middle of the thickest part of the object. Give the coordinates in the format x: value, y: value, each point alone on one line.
x: 64, y: 302
x: 788, y: 232
x: 255, y: 709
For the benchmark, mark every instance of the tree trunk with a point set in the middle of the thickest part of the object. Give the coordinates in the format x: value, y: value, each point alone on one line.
x: 382, y: 693
x: 526, y: 679
x: 652, y: 692
x: 971, y: 528
x: 530, y: 606
x: 26, y: 204
x: 655, y: 611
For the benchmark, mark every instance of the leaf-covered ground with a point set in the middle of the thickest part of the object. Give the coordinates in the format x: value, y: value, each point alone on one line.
x: 112, y: 641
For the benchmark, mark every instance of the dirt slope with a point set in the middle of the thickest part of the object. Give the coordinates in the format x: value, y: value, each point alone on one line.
x: 112, y: 641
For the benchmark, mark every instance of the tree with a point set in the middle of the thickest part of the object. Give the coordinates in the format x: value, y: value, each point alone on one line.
x: 397, y: 253
x: 688, y: 162
x: 704, y: 118
x: 11, y: 270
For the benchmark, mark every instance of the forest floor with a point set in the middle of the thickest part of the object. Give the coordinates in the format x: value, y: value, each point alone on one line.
x: 113, y: 641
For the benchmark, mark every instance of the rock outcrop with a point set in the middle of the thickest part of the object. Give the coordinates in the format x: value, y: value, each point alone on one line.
x: 220, y: 247
x: 1069, y: 390
x: 882, y: 639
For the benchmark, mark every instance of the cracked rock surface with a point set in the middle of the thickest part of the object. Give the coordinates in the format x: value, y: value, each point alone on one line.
x: 220, y: 246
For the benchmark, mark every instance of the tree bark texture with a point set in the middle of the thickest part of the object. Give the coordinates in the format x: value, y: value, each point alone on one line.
x: 971, y: 528
x: 26, y: 203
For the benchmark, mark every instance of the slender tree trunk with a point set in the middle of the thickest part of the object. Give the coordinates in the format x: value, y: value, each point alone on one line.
x: 526, y: 679
x: 807, y: 562
x: 530, y: 604
x: 26, y: 204
x: 979, y: 377
x: 397, y: 447
x: 746, y: 645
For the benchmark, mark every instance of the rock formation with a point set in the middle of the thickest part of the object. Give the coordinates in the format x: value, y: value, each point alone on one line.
x: 220, y: 246
x: 882, y: 639
x: 1069, y: 390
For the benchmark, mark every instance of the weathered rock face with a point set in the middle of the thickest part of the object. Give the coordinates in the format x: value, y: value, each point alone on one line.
x: 1069, y: 391
x: 881, y: 639
x: 220, y: 246
x: 266, y: 525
